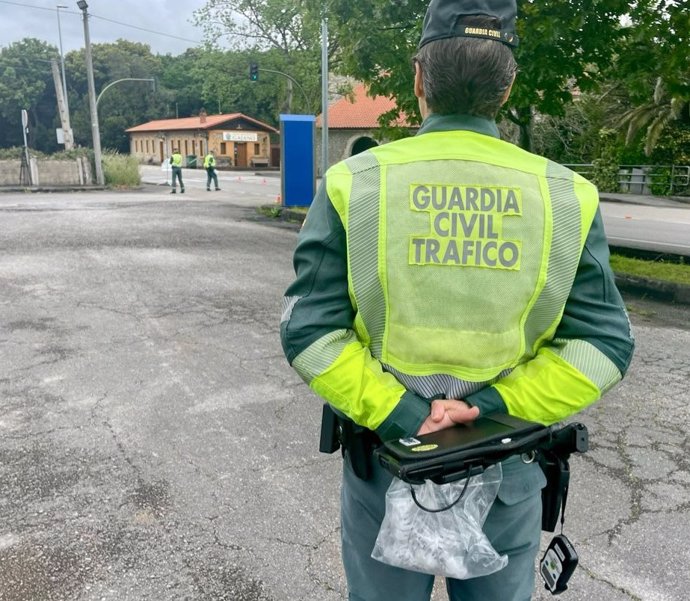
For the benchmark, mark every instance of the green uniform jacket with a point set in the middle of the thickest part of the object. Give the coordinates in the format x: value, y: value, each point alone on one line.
x: 589, y: 350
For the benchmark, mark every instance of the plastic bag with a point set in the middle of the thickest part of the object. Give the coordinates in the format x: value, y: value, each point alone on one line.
x: 447, y: 543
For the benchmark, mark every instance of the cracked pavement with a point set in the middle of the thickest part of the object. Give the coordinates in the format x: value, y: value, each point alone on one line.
x: 154, y: 444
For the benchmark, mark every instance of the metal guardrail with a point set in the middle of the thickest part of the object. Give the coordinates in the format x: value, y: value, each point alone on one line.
x: 641, y: 179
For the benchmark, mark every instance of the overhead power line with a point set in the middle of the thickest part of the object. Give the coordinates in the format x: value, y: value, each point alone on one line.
x: 167, y: 35
x: 73, y: 12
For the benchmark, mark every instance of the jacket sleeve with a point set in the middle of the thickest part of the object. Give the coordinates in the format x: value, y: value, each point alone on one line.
x: 318, y: 337
x: 590, y: 352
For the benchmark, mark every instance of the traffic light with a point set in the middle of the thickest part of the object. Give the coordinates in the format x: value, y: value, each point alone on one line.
x: 254, y: 72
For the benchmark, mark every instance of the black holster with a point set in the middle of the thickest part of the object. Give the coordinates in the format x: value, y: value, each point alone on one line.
x: 557, y: 472
x: 553, y: 459
x: 357, y: 443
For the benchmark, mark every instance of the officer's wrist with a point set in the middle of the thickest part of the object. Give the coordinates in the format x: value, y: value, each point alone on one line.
x: 487, y: 400
x: 406, y: 419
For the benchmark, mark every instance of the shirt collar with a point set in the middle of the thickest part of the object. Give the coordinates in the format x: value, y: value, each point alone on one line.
x: 480, y: 125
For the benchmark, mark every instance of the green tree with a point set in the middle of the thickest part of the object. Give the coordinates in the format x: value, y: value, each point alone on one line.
x: 283, y: 38
x: 563, y: 45
x: 26, y: 82
x: 122, y: 105
x: 179, y: 88
x: 654, y: 63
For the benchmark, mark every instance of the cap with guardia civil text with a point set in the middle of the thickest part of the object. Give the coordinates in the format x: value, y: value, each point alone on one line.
x: 443, y: 18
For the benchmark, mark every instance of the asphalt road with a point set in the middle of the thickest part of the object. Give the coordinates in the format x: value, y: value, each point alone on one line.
x: 646, y: 223
x: 154, y: 444
x: 664, y: 228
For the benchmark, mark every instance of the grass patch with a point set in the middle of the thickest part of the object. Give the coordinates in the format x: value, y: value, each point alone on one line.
x: 293, y: 214
x: 273, y: 212
x: 121, y: 170
x: 636, y: 310
x: 653, y: 270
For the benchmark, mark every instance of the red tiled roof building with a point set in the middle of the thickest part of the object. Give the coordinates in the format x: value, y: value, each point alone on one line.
x: 238, y: 140
x: 352, y: 123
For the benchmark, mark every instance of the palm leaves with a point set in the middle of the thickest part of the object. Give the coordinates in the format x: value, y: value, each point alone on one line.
x: 654, y: 116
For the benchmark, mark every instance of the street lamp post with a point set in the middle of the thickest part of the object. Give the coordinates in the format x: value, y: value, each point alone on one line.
x: 69, y: 139
x: 83, y: 6
x: 324, y: 96
x: 112, y: 83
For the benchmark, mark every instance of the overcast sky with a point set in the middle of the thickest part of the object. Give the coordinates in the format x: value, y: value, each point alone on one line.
x: 38, y: 19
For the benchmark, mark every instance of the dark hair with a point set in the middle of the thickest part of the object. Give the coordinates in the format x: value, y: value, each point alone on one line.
x: 467, y: 75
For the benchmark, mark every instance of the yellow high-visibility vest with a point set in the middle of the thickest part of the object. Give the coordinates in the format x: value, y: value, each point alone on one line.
x: 462, y: 250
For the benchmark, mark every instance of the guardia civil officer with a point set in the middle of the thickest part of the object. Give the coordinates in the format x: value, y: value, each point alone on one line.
x: 176, y: 165
x: 457, y: 267
x: 210, y: 166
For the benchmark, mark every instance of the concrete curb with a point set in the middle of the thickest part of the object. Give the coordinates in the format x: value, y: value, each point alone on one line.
x: 641, y: 199
x: 51, y: 189
x: 666, y: 291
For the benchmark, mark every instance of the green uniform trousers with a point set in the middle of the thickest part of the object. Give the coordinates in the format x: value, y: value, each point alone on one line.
x: 513, y: 526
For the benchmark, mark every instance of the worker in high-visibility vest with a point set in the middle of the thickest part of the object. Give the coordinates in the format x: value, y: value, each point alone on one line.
x: 447, y: 276
x: 210, y: 166
x: 176, y: 166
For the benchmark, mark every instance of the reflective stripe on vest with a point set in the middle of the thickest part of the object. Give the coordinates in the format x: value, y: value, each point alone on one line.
x: 462, y: 251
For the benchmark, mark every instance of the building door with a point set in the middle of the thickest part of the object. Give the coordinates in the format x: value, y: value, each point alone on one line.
x: 240, y: 154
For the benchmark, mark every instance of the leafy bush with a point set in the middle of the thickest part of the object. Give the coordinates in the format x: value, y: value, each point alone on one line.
x: 120, y: 170
x: 70, y: 155
x: 607, y: 165
x: 15, y: 152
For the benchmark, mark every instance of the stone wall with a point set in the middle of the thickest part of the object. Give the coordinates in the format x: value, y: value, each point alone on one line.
x: 48, y: 173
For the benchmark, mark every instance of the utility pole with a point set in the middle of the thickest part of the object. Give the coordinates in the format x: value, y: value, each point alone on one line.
x: 25, y: 169
x: 95, y: 132
x: 66, y: 124
x: 62, y: 108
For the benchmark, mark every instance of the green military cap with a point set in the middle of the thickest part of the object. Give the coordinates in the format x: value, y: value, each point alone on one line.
x: 443, y: 16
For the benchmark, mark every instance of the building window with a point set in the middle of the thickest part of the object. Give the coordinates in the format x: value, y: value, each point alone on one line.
x: 193, y: 146
x: 257, y: 149
x: 223, y: 148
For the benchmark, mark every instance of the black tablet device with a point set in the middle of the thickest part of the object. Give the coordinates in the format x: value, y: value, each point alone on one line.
x: 454, y: 453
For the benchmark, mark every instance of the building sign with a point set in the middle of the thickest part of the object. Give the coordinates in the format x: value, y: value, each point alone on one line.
x: 240, y: 136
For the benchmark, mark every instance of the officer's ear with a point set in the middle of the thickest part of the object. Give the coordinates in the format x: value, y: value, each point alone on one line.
x: 419, y: 89
x: 418, y: 81
x: 506, y: 95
